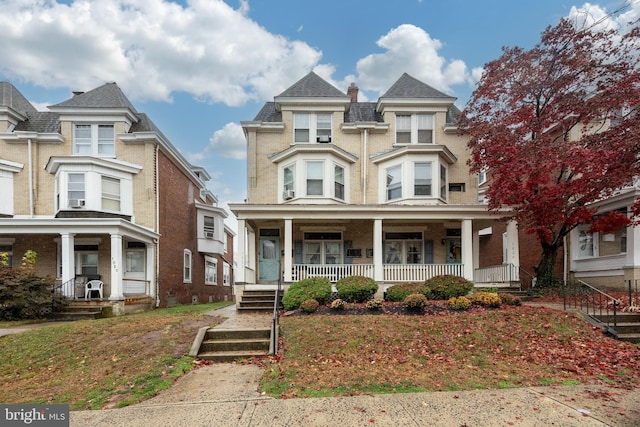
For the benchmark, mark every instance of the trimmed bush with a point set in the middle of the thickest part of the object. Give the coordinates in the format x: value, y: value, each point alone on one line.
x: 459, y: 303
x: 398, y: 293
x: 317, y: 288
x: 509, y: 299
x: 23, y: 295
x: 338, y: 304
x: 375, y: 304
x: 356, y: 288
x: 487, y: 299
x: 448, y: 286
x: 416, y: 302
x: 309, y: 306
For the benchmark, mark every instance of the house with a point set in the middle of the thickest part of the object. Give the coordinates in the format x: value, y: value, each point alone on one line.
x: 382, y: 189
x: 96, y: 189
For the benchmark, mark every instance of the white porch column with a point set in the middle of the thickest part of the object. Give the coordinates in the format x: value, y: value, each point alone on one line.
x: 378, y: 268
x: 240, y: 273
x: 467, y: 249
x: 288, y: 249
x: 633, y: 245
x: 116, y: 268
x: 476, y: 250
x: 151, y: 270
x: 513, y: 245
x: 68, y: 264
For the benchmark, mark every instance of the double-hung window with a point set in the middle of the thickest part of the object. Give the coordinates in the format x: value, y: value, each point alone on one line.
x: 226, y: 274
x: 94, y: 140
x: 443, y: 182
x: 315, y: 178
x: 394, y: 182
x: 414, y: 129
x: 322, y: 248
x: 110, y: 193
x: 209, y: 227
x: 338, y: 182
x: 76, y: 189
x: 289, y: 179
x: 312, y: 127
x: 422, y: 179
x: 187, y: 263
x: 403, y: 248
x: 210, y: 271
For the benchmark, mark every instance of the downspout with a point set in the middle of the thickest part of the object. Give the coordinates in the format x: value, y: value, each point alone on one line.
x: 30, y: 166
x: 364, y: 167
x: 157, y: 189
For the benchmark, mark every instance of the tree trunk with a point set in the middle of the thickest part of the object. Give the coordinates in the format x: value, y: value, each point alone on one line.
x: 546, y: 267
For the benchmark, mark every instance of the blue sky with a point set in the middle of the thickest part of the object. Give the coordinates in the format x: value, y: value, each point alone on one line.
x: 199, y: 67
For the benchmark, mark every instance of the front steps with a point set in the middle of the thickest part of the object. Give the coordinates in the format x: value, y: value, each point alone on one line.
x: 79, y: 310
x: 523, y: 295
x: 224, y: 345
x: 258, y: 300
x: 627, y: 328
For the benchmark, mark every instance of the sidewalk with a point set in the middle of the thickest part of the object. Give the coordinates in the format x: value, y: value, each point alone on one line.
x: 226, y: 394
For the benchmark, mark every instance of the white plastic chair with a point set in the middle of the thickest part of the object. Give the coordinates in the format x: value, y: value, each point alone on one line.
x: 93, y: 286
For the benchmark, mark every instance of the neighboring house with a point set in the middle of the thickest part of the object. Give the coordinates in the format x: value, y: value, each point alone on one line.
x: 96, y: 189
x: 382, y: 189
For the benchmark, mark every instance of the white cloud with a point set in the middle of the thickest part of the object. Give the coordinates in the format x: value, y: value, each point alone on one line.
x: 228, y: 142
x: 593, y: 15
x: 151, y: 48
x: 417, y: 53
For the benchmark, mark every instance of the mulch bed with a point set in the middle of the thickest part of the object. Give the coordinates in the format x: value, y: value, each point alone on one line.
x: 388, y: 308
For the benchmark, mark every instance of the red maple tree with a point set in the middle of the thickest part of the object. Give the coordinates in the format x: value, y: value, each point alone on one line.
x: 557, y: 129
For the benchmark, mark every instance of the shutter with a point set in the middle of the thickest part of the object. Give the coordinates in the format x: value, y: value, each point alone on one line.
x: 428, y: 251
x: 348, y: 244
x: 297, y: 252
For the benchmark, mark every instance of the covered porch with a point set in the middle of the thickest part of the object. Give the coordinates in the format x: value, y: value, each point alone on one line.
x: 92, y: 259
x: 390, y: 244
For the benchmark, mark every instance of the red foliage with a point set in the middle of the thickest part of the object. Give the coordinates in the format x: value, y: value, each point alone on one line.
x: 538, y: 123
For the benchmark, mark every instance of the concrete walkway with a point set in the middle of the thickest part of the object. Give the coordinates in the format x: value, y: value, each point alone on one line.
x: 226, y: 394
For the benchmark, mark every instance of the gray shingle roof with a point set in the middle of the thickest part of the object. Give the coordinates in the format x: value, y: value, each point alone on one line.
x: 12, y: 98
x: 410, y: 87
x: 453, y: 114
x: 312, y: 85
x: 41, y: 122
x: 109, y: 95
x: 269, y: 114
x: 363, y: 112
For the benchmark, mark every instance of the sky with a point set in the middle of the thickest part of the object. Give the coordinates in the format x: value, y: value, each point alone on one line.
x: 198, y: 68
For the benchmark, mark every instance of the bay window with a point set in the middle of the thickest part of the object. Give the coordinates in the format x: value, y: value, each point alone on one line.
x: 110, y: 193
x: 315, y: 178
x: 394, y: 182
x: 422, y: 179
x: 338, y: 182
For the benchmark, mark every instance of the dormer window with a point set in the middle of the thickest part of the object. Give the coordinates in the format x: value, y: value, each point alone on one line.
x: 414, y: 129
x: 94, y: 140
x: 312, y: 127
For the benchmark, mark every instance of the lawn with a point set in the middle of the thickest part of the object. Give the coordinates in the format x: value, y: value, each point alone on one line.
x: 104, y: 363
x: 328, y: 355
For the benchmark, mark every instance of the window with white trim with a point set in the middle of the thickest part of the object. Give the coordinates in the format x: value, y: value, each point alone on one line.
x: 75, y: 189
x: 210, y: 271
x: 394, y: 182
x: 443, y: 182
x: 338, y: 176
x: 289, y: 181
x: 315, y: 178
x: 585, y: 242
x: 187, y: 266
x: 94, y: 140
x: 403, y: 248
x: 226, y: 274
x: 422, y: 179
x: 312, y: 127
x: 322, y: 247
x: 414, y: 128
x: 110, y: 193
x: 209, y: 227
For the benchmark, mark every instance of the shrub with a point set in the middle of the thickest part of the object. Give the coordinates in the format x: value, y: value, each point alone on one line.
x: 415, y: 302
x: 23, y: 295
x: 448, y: 286
x: 375, y: 304
x: 487, y: 299
x: 459, y: 303
x: 309, y: 306
x: 399, y: 292
x: 338, y: 304
x: 317, y: 288
x: 356, y: 288
x: 509, y: 299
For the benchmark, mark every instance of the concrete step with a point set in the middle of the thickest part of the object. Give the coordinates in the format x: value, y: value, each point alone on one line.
x: 620, y: 317
x: 235, y: 345
x: 627, y: 328
x: 219, y: 344
x: 229, y: 356
x: 632, y: 338
x: 78, y: 312
x: 226, y: 334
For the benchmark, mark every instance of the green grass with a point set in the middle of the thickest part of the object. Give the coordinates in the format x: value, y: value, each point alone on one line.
x: 103, y: 363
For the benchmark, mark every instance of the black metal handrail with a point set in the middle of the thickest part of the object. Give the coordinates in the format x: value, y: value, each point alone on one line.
x: 593, y: 302
x: 634, y: 300
x: 529, y: 279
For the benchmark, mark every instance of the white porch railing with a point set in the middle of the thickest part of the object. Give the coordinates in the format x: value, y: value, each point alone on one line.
x: 505, y: 273
x: 391, y: 272
x: 419, y: 272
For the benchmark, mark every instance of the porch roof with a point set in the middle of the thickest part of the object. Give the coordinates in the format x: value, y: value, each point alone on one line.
x: 385, y: 212
x: 76, y: 226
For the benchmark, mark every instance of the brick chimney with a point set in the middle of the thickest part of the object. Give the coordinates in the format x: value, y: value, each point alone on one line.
x: 353, y: 92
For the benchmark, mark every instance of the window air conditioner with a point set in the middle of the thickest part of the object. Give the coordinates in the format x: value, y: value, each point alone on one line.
x: 76, y: 203
x: 288, y: 194
x: 323, y: 138
x: 208, y: 234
